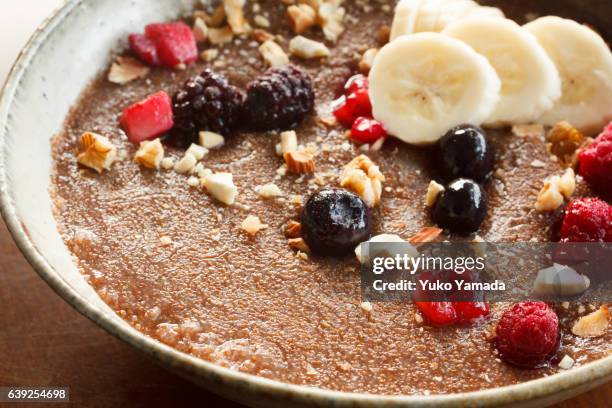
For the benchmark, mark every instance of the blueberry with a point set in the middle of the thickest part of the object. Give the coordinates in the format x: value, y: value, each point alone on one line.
x: 461, y: 208
x: 464, y: 152
x: 335, y: 221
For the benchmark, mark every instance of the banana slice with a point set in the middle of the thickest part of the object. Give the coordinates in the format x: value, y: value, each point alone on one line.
x: 424, y: 84
x: 414, y: 16
x: 404, y: 17
x: 530, y: 82
x: 584, y: 62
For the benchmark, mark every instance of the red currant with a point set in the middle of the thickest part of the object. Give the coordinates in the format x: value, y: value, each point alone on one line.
x: 366, y: 130
x: 355, y: 83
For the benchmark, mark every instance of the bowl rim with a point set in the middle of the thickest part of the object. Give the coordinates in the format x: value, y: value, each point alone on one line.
x: 595, y: 373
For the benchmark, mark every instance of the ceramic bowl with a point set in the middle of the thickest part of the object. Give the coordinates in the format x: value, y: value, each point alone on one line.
x: 62, y: 57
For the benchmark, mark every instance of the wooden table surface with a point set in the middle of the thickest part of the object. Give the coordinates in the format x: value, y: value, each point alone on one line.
x: 44, y: 342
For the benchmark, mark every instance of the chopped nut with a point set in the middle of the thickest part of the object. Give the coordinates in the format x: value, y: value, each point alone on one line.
x: 549, y: 198
x: 261, y: 21
x: 252, y: 225
x: 270, y: 190
x: 210, y: 140
x: 363, y: 177
x: 187, y: 162
x: 331, y: 16
x: 299, y: 244
x: 126, y: 69
x: 197, y: 151
x: 531, y: 130
x: 594, y: 324
x: 384, y: 33
x: 314, y: 4
x: 418, y: 318
x: 262, y: 36
x: 427, y: 234
x: 288, y: 142
x: 433, y: 191
x: 566, y: 362
x: 567, y: 183
x: 150, y: 154
x: 564, y: 141
x: 305, y: 48
x: 167, y: 163
x: 193, y: 181
x: 366, y: 307
x: 381, y: 239
x: 216, y: 19
x: 367, y: 60
x: 293, y: 230
x: 209, y: 55
x: 98, y: 152
x: 302, y: 17
x: 220, y: 35
x: 200, y: 30
x: 273, y: 54
x: 165, y: 240
x: 221, y: 186
x: 235, y: 16
x: 299, y: 162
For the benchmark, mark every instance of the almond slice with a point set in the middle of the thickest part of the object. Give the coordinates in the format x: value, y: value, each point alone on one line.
x: 98, y: 152
x: 427, y: 234
x: 127, y: 69
x: 299, y: 162
x: 594, y: 324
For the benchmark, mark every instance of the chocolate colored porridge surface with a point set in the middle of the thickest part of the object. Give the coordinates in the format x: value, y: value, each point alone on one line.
x: 248, y: 302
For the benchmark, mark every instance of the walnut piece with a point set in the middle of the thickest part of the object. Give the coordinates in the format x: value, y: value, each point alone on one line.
x: 364, y: 178
x: 150, y: 154
x: 299, y: 245
x: 302, y: 17
x: 433, y: 191
x: 98, y: 152
x: 564, y: 141
x: 235, y: 16
x: 252, y: 225
x: 299, y: 162
x: 304, y: 48
x: 594, y: 324
x: 273, y: 54
x: 220, y: 35
x: 127, y: 69
x: 200, y: 30
x: 555, y: 188
x: 367, y: 60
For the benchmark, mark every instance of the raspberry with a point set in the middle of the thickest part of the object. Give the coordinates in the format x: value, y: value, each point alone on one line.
x: 366, y: 130
x: 527, y: 334
x: 206, y: 102
x: 587, y: 220
x: 279, y: 99
x: 596, y: 163
x: 348, y: 108
x: 148, y: 118
x: 438, y: 313
x: 355, y: 83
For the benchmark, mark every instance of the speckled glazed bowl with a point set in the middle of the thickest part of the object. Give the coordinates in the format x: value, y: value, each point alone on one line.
x: 64, y: 54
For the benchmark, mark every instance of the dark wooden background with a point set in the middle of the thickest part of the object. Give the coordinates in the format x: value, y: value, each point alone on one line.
x: 44, y: 342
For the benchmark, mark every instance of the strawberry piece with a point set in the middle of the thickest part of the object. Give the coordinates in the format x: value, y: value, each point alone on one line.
x: 356, y: 83
x: 149, y: 118
x: 174, y: 42
x: 438, y: 313
x: 348, y: 108
x: 366, y: 130
x: 144, y: 49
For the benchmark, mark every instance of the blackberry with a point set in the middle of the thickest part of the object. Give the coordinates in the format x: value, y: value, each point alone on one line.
x: 279, y: 99
x: 206, y: 102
